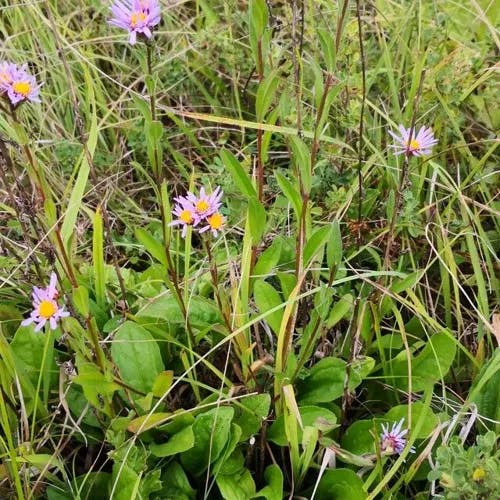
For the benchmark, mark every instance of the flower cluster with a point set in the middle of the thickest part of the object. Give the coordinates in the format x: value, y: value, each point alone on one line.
x: 393, y: 441
x: 408, y: 143
x: 191, y: 210
x: 45, y: 307
x: 17, y: 85
x: 136, y: 16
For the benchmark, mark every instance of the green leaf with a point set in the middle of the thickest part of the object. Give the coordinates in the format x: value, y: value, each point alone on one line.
x: 257, y: 19
x: 179, y: 442
x: 315, y: 244
x: 137, y: 356
x: 98, y: 258
x: 266, y: 298
x: 327, y: 48
x: 325, y: 382
x: 428, y: 367
x: 419, y: 411
x: 334, y: 247
x: 236, y: 487
x: 265, y: 94
x: 81, y: 300
x: 274, y: 488
x: 485, y: 391
x: 340, y: 484
x: 75, y: 199
x: 211, y: 433
x: 176, y: 484
x: 162, y: 383
x: 340, y: 310
x: 257, y: 219
x: 359, y: 438
x: 165, y: 309
x: 250, y: 412
x: 153, y: 246
x: 302, y: 160
x: 312, y: 416
x: 240, y: 178
x: 291, y: 194
x: 268, y: 259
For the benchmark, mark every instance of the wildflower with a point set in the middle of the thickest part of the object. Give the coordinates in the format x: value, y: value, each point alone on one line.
x: 45, y: 307
x: 394, y: 441
x: 136, y: 16
x: 206, y: 204
x: 185, y: 212
x: 421, y: 144
x: 215, y: 223
x: 18, y: 84
x: 479, y: 474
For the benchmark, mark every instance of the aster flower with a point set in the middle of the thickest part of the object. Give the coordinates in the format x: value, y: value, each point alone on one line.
x: 418, y: 145
x: 206, y: 204
x: 185, y: 212
x: 215, y: 223
x: 394, y: 440
x: 18, y: 84
x: 136, y: 16
x: 45, y: 307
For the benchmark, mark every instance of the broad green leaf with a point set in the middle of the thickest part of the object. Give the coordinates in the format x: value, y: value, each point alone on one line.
x: 274, y: 488
x: 315, y: 244
x: 182, y: 441
x: 165, y: 309
x: 240, y: 178
x: 325, y: 382
x: 485, y: 391
x: 250, y: 412
x: 360, y: 437
x: 265, y: 94
x: 268, y: 259
x: 153, y: 246
x: 81, y: 300
x: 257, y: 20
x: 162, y: 383
x: 291, y: 194
x: 418, y: 411
x: 211, y: 434
x: 257, y: 219
x: 334, y: 247
x: 311, y: 416
x: 137, y: 356
x: 236, y: 487
x: 327, y: 47
x: 340, y: 484
x: 340, y: 310
x: 27, y: 350
x: 429, y: 366
x: 176, y: 484
x: 266, y: 298
x: 302, y: 160
x: 149, y: 421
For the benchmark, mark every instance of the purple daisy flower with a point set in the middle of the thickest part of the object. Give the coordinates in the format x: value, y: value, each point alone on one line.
x: 206, y: 204
x: 215, y: 223
x: 18, y: 84
x: 136, y: 16
x: 421, y: 144
x: 394, y: 440
x: 185, y: 212
x: 45, y: 307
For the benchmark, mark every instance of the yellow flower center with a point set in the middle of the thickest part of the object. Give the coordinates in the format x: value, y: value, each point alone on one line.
x: 186, y: 216
x: 479, y: 474
x: 216, y: 221
x: 47, y: 309
x: 202, y: 206
x: 137, y: 17
x: 22, y: 88
x: 414, y: 145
